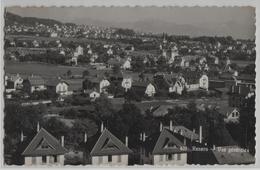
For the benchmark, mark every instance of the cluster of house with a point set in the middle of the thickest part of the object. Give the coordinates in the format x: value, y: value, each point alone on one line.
x: 60, y: 30
x: 172, y: 145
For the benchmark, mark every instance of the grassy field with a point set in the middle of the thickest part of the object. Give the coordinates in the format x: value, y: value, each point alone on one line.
x: 45, y: 70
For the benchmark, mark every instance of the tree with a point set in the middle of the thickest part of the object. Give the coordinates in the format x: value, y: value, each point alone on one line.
x: 130, y: 120
x: 85, y: 73
x: 103, y: 108
x: 116, y: 69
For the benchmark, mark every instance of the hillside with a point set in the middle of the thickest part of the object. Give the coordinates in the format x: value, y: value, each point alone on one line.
x: 11, y: 18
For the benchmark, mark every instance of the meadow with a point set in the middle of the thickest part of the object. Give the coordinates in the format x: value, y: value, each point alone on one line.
x: 43, y: 69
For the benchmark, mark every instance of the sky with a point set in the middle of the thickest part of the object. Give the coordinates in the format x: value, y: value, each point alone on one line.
x: 238, y: 22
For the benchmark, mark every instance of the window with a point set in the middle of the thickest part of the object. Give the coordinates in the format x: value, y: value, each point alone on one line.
x: 170, y: 157
x: 161, y: 158
x: 233, y: 115
x: 33, y: 160
x: 55, y: 158
x: 119, y: 159
x: 109, y: 158
x: 44, y: 159
x: 100, y: 159
x: 178, y: 157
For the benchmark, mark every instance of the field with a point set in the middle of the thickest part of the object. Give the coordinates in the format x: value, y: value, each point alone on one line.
x: 45, y: 70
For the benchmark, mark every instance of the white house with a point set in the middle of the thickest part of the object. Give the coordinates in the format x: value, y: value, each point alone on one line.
x: 78, y: 51
x: 54, y: 34
x: 178, y: 87
x: 110, y: 151
x: 110, y: 51
x: 150, y: 90
x: 44, y: 149
x: 204, y: 82
x: 16, y: 79
x: 127, y: 83
x: 62, y: 88
x: 233, y: 116
x: 102, y: 85
x: 168, y: 150
x: 93, y: 95
x: 126, y: 64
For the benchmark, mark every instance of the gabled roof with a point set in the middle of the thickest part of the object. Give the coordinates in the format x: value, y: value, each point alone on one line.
x: 54, y: 82
x: 186, y: 132
x: 36, y: 80
x: 167, y: 143
x: 108, y: 144
x: 44, y: 138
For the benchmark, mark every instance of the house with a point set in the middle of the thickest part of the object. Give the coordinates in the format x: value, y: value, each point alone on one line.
x: 162, y: 148
x: 110, y: 51
x: 178, y: 86
x: 150, y: 90
x: 110, y: 151
x: 103, y: 86
x: 126, y: 64
x: 34, y: 83
x: 238, y: 94
x: 44, y: 149
x: 232, y: 116
x: 127, y: 83
x: 13, y: 82
x: 93, y: 95
x: 195, y: 81
x: 60, y: 87
x: 204, y: 82
x: 54, y: 34
x: 79, y: 50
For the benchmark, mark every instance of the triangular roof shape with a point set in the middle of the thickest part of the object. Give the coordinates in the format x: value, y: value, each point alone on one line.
x: 167, y: 143
x: 108, y: 144
x: 44, y: 144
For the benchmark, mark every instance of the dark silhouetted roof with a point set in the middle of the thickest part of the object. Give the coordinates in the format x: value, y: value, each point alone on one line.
x: 44, y: 138
x: 36, y: 80
x: 167, y: 143
x: 108, y: 144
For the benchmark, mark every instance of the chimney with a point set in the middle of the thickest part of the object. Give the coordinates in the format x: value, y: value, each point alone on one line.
x: 141, y: 137
x: 85, y: 137
x: 144, y: 136
x: 126, y: 141
x: 22, y: 137
x: 171, y: 128
x: 38, y: 127
x: 184, y: 141
x: 102, y: 127
x: 62, y: 141
x: 200, y: 135
x: 161, y: 126
x: 192, y: 134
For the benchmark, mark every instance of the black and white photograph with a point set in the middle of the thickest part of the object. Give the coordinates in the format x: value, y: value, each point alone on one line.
x: 121, y: 86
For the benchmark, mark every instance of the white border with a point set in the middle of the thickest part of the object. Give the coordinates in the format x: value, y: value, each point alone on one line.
x: 133, y: 3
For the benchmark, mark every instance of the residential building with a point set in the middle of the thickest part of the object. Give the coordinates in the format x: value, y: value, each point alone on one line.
x: 34, y: 83
x: 233, y: 116
x: 44, y: 149
x: 110, y: 151
x: 150, y: 90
